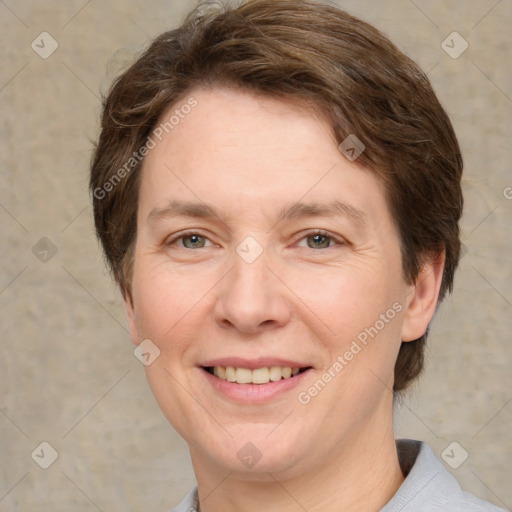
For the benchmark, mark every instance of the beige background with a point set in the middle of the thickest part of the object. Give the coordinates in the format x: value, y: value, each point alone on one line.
x: 67, y: 372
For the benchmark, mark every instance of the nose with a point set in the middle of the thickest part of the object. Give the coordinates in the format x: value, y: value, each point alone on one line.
x: 252, y: 299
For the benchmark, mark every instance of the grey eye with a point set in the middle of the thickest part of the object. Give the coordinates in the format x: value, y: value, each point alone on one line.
x: 319, y: 241
x: 193, y: 241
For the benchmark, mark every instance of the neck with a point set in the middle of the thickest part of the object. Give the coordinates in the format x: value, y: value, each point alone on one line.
x: 363, y: 475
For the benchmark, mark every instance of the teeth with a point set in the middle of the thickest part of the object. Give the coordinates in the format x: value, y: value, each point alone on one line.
x: 275, y: 373
x: 230, y: 374
x: 221, y: 372
x: 243, y: 376
x: 256, y: 376
x: 260, y: 376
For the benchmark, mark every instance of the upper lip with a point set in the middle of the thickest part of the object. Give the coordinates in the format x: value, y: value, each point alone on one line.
x: 261, y: 362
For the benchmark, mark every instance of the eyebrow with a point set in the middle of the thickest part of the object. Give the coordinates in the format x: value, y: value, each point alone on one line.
x: 177, y: 208
x: 331, y: 209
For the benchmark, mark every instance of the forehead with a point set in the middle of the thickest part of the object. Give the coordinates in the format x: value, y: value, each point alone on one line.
x: 244, y: 152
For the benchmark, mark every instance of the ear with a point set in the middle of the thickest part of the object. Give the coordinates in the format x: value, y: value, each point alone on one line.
x: 422, y: 298
x: 130, y: 315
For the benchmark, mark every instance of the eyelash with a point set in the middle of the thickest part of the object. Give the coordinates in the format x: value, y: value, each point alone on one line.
x: 185, y: 234
x: 321, y: 232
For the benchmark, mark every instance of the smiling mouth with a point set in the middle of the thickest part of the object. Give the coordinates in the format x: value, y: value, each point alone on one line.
x: 262, y: 375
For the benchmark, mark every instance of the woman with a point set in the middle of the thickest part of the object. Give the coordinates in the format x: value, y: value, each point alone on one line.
x: 277, y: 190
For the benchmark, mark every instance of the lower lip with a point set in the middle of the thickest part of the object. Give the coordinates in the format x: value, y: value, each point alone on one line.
x: 254, y: 393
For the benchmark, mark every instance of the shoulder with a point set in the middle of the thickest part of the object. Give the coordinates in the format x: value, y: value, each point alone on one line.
x: 429, y: 486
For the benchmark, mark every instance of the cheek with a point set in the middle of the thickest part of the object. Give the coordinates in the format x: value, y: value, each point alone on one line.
x: 164, y: 299
x: 360, y: 313
x: 347, y: 298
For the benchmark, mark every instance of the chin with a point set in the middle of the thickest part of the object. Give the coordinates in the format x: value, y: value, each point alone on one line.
x: 252, y: 458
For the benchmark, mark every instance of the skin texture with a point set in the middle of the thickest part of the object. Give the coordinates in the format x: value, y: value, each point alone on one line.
x: 249, y: 157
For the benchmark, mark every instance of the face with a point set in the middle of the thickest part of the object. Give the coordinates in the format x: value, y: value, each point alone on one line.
x: 267, y: 272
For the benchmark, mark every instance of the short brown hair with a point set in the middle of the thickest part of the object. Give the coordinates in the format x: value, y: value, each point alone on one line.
x: 306, y: 51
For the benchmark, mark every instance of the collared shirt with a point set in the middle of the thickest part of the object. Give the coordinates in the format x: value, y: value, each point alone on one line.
x: 428, y: 486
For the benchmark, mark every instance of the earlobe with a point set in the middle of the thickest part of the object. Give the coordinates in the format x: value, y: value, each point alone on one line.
x: 422, y: 299
x: 130, y: 315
